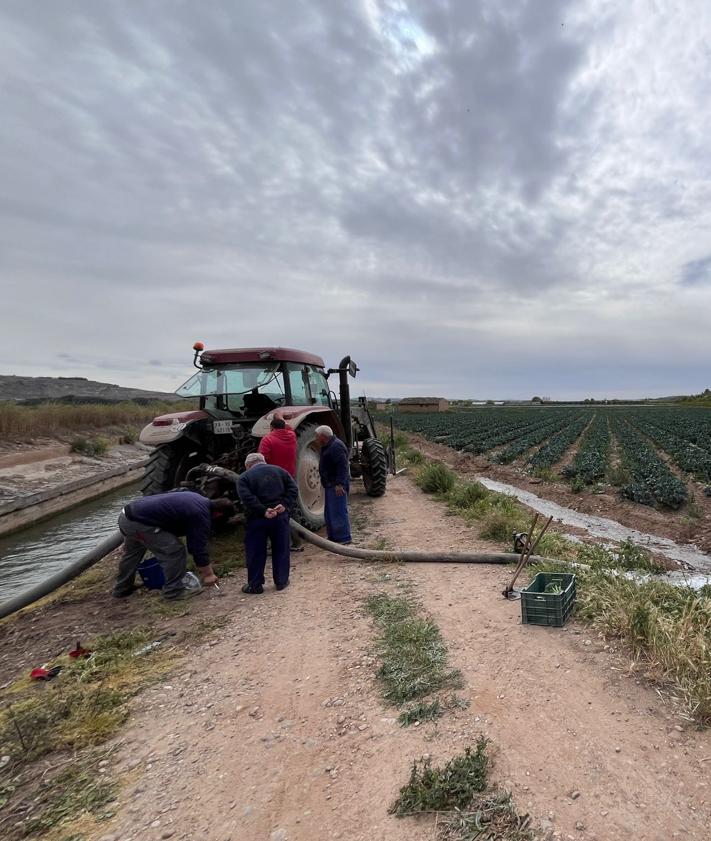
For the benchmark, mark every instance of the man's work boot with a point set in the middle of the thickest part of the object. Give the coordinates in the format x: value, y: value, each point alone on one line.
x: 252, y: 591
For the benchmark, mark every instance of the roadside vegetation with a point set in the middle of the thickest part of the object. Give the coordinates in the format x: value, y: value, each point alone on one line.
x: 664, y: 629
x: 55, y: 764
x: 91, y: 447
x: 459, y: 795
x: 413, y: 655
x: 22, y: 423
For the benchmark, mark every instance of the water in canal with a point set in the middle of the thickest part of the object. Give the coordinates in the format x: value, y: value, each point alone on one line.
x: 35, y: 552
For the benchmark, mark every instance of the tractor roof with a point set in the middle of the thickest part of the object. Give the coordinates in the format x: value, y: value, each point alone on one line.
x: 227, y: 356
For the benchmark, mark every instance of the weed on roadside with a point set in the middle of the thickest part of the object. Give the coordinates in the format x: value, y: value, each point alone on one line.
x: 90, y: 447
x: 85, y: 705
x: 444, y: 789
x: 458, y: 794
x: 79, y: 789
x: 412, y: 456
x: 491, y: 817
x: 421, y: 712
x: 436, y: 478
x: 430, y: 711
x: 667, y: 628
x: 413, y: 655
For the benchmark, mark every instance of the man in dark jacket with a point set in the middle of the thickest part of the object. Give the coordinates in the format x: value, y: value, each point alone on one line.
x: 336, y: 479
x: 156, y: 522
x: 268, y: 495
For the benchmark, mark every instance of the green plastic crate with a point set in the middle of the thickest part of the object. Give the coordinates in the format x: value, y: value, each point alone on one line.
x: 541, y: 608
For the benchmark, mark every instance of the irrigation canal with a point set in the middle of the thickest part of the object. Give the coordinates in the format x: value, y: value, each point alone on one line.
x: 32, y: 554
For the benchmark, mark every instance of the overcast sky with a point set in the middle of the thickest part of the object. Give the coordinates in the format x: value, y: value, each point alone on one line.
x: 473, y: 199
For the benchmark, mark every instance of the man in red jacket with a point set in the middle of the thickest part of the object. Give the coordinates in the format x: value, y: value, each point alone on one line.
x: 279, y: 448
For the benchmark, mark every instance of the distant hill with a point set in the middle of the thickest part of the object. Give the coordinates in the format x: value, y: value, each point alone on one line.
x: 71, y: 390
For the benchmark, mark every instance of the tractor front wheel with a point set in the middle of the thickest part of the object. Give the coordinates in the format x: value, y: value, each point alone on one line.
x: 168, y: 465
x: 374, y: 463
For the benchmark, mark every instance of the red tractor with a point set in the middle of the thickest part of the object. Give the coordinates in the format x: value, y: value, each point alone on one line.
x: 239, y: 391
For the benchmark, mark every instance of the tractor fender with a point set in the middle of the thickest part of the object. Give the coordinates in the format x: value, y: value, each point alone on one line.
x: 294, y: 416
x: 167, y: 428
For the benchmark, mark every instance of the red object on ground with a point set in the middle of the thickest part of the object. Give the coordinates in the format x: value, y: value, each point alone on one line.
x: 40, y: 673
x: 79, y: 651
x: 279, y: 448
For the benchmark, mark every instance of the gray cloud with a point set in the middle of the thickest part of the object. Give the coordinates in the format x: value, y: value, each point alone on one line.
x: 468, y: 197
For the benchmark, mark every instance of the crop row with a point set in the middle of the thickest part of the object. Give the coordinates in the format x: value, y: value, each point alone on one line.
x: 554, y: 449
x: 690, y: 457
x: 652, y: 481
x: 590, y: 462
x: 530, y: 439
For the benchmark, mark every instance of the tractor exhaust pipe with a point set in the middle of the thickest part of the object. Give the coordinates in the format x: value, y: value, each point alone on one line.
x: 344, y: 367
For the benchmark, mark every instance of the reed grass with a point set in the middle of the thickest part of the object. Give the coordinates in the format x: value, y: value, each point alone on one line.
x: 55, y: 419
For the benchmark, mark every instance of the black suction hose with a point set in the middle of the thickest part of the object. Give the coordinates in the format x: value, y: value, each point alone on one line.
x: 407, y: 556
x: 48, y: 585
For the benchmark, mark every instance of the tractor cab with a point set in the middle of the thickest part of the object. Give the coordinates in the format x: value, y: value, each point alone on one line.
x: 249, y: 390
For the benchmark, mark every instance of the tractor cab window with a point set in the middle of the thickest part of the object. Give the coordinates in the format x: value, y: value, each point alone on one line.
x: 250, y: 390
x: 308, y: 385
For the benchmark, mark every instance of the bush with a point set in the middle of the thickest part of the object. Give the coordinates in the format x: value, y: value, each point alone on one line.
x: 467, y: 495
x: 128, y: 437
x: 91, y: 447
x: 500, y: 524
x: 436, y: 478
x: 413, y: 456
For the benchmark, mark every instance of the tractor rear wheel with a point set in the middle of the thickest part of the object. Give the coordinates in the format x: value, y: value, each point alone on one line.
x: 310, y: 505
x: 374, y: 463
x: 168, y: 465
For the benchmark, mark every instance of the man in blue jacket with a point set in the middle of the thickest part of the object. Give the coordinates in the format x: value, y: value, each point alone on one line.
x: 336, y: 480
x: 156, y: 522
x: 268, y: 495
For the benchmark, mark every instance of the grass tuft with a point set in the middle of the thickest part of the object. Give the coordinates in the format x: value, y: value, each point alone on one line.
x: 412, y: 653
x: 75, y: 791
x: 466, y: 495
x: 467, y: 809
x: 91, y: 447
x: 436, y: 478
x: 84, y: 705
x: 444, y: 789
x: 421, y: 712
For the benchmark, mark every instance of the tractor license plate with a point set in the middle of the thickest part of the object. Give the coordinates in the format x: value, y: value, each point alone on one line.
x: 221, y: 427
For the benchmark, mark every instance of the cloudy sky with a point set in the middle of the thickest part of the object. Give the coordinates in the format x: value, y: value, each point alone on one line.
x: 471, y: 198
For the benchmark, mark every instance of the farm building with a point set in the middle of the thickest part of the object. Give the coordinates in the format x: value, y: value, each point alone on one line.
x: 423, y: 404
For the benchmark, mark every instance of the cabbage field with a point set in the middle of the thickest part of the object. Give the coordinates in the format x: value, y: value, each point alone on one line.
x: 649, y: 453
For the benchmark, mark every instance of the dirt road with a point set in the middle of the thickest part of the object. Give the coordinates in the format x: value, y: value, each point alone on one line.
x: 274, y: 729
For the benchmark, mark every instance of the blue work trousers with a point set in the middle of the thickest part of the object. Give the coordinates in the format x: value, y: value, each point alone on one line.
x: 338, y: 527
x: 256, y: 534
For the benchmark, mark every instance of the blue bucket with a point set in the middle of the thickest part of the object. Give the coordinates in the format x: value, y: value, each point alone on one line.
x: 152, y: 573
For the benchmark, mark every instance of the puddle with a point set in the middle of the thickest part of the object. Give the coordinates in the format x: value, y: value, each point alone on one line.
x: 601, y: 527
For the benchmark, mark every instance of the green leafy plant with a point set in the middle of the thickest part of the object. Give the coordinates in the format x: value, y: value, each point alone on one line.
x: 444, y: 789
